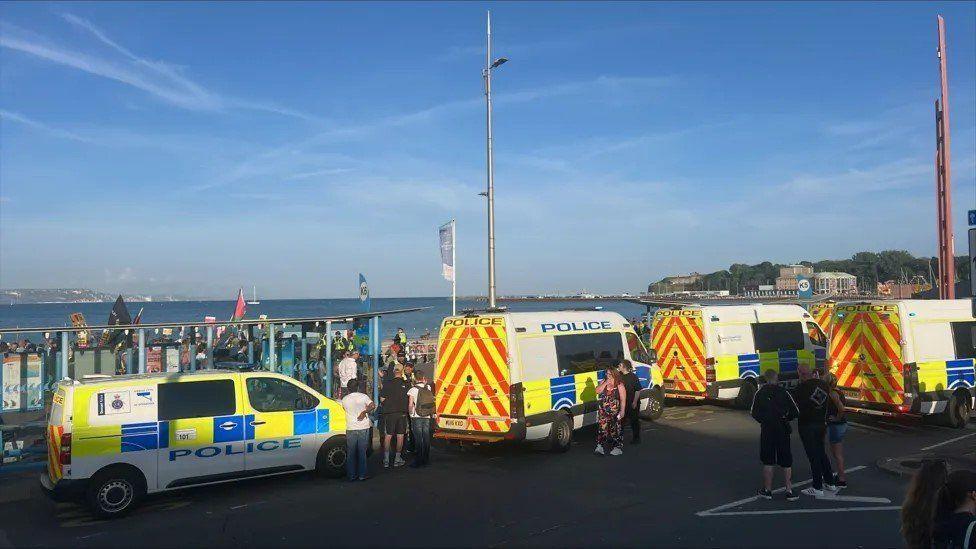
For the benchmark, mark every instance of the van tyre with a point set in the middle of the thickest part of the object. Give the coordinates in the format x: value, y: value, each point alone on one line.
x: 114, y: 492
x: 957, y: 411
x: 331, y: 461
x: 561, y: 434
x: 655, y: 405
x: 747, y: 392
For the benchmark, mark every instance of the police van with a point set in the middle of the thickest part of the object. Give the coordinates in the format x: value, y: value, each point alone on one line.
x: 906, y: 357
x: 718, y: 352
x: 115, y: 439
x: 533, y: 376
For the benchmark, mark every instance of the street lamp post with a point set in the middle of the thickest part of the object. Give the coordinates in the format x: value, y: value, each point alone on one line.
x: 486, y: 74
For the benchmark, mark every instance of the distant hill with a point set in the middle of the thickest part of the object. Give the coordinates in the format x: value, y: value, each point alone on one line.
x: 68, y: 295
x: 869, y: 267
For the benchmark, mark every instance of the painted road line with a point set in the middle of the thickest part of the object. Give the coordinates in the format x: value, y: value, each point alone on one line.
x: 743, y: 501
x: 950, y: 441
x: 852, y: 499
x: 796, y: 511
x: 869, y: 427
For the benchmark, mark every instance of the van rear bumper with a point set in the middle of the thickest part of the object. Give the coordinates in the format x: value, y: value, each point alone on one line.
x: 64, y: 489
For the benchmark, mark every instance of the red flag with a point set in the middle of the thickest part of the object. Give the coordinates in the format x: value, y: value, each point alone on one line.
x: 241, y: 306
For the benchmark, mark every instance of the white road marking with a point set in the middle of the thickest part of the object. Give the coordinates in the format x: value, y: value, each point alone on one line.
x: 795, y: 511
x: 868, y: 427
x: 853, y: 499
x: 951, y: 440
x: 743, y: 501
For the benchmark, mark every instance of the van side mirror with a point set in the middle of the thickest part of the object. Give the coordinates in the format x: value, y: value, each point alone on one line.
x: 652, y: 355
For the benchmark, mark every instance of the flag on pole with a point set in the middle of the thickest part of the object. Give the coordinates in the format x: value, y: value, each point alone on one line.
x: 240, y: 308
x: 118, y: 316
x: 364, y: 293
x: 447, y: 250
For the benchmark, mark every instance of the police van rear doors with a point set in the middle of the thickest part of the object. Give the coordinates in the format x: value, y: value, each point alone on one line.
x: 678, y: 340
x: 866, y: 353
x: 201, y: 432
x: 472, y: 378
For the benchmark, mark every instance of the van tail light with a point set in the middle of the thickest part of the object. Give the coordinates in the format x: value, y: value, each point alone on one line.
x: 64, y: 456
x: 710, y: 370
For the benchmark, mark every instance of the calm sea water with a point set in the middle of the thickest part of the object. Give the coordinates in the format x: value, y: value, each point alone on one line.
x: 56, y: 314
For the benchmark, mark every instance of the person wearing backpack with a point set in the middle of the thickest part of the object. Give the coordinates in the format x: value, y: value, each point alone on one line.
x: 774, y: 408
x: 421, y: 403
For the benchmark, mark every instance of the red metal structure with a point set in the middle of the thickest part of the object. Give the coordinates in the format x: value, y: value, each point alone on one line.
x: 943, y: 187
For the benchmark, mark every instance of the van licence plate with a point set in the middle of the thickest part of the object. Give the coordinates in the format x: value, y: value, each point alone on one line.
x: 669, y: 384
x: 455, y: 423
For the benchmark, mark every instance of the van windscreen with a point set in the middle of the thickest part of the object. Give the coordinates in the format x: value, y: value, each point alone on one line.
x: 580, y: 353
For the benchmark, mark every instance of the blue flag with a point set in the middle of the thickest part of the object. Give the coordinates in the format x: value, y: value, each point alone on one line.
x: 364, y: 293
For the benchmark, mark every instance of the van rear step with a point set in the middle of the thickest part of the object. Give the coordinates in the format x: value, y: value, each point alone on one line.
x: 470, y: 437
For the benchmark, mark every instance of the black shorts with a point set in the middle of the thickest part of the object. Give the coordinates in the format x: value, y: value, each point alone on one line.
x: 774, y: 447
x: 395, y: 424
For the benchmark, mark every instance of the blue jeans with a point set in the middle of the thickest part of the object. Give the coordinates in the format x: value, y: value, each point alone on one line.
x: 356, y: 441
x: 421, y: 440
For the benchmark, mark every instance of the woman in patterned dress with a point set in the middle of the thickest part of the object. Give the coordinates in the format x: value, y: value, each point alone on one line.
x: 612, y: 394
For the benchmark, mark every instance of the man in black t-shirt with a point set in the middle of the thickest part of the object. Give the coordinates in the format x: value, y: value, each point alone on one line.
x: 632, y: 388
x: 394, y: 399
x: 811, y: 397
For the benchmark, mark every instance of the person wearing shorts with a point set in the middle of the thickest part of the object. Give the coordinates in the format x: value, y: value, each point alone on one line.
x: 394, y: 399
x: 774, y: 409
x: 836, y: 428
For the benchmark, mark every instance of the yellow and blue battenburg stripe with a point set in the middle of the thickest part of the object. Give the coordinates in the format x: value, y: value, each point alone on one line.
x: 568, y: 391
x: 940, y: 375
x: 751, y: 365
x: 233, y: 428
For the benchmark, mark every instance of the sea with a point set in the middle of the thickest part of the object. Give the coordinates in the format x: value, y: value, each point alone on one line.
x: 414, y: 324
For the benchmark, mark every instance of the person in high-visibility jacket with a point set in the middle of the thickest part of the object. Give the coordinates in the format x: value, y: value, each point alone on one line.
x: 339, y: 346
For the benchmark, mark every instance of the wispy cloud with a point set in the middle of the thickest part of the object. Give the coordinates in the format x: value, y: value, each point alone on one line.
x: 40, y: 126
x: 159, y: 79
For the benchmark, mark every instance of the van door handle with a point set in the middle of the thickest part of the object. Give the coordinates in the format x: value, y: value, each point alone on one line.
x: 253, y: 423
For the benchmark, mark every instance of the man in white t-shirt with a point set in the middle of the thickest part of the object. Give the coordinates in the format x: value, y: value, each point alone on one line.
x: 421, y: 412
x: 346, y: 370
x: 357, y: 406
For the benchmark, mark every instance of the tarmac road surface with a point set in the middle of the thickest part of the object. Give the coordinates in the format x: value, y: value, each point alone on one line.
x: 691, y: 483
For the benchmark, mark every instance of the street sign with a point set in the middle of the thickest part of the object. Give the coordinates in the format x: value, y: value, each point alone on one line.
x: 972, y: 218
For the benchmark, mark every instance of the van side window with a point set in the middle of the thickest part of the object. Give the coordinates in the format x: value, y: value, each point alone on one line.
x: 817, y: 336
x: 196, y: 399
x: 637, y: 351
x: 270, y: 394
x: 964, y: 338
x: 580, y: 353
x: 778, y: 336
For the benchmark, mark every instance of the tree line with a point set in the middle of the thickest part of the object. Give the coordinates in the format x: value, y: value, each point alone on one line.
x: 869, y: 268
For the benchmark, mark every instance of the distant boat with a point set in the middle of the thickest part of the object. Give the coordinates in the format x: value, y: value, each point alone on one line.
x: 254, y: 298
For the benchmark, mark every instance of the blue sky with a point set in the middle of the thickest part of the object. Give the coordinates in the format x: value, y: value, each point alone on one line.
x: 196, y: 148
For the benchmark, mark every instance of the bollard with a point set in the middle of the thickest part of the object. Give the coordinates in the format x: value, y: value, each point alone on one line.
x: 328, y: 358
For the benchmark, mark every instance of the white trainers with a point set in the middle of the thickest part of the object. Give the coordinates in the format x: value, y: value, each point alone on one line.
x: 599, y: 450
x: 616, y: 451
x: 811, y: 491
x: 830, y: 487
x: 398, y: 462
x: 386, y: 462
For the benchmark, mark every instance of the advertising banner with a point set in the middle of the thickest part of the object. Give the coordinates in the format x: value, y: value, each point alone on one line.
x: 154, y: 360
x: 11, y: 382
x: 33, y: 381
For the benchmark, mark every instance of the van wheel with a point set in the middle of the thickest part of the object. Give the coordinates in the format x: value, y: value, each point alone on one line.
x: 956, y: 414
x: 655, y: 406
x: 747, y: 391
x: 114, y: 492
x: 331, y: 461
x: 561, y: 434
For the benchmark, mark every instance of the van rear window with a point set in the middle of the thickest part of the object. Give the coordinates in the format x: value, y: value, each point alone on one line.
x: 778, y: 336
x: 579, y: 353
x: 964, y: 338
x: 196, y: 399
